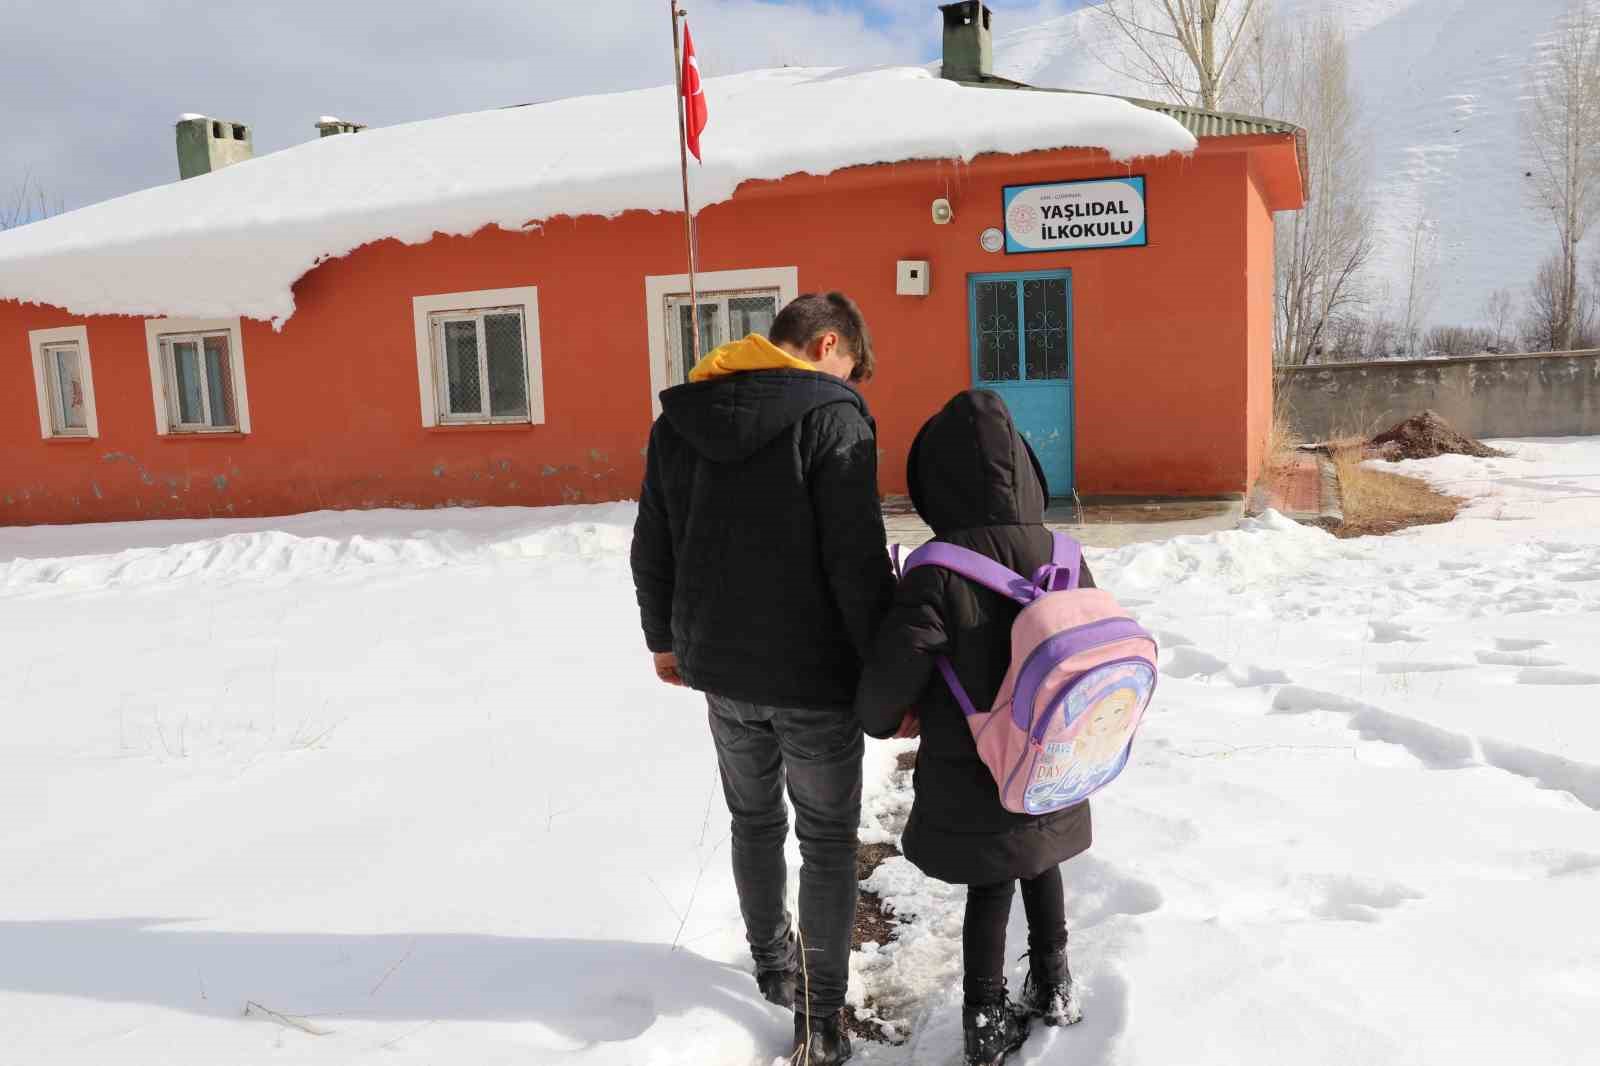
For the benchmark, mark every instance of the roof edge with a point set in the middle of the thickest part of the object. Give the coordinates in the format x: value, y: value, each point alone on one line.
x: 1199, y: 121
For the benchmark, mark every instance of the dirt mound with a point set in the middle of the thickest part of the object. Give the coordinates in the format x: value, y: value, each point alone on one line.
x: 1425, y: 436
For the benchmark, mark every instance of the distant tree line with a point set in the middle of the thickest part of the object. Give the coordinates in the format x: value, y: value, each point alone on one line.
x: 1239, y: 55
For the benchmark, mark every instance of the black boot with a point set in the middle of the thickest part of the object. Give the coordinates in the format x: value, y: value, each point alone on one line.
x: 781, y: 984
x: 992, y: 1025
x: 1049, y: 992
x: 820, y: 1040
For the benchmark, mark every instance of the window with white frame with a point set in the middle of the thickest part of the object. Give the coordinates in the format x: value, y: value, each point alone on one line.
x: 478, y: 357
x: 732, y: 303
x: 724, y: 316
x: 63, y: 382
x: 197, y: 375
x: 480, y: 365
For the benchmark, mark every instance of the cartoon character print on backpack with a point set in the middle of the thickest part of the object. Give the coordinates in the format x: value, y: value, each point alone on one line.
x: 1102, y: 712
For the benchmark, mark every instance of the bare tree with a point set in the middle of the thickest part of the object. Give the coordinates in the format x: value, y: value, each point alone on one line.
x: 1557, y: 316
x: 1323, y: 249
x: 1561, y: 134
x: 1498, y: 311
x: 1422, y: 246
x: 27, y: 202
x: 1383, y: 339
x: 1185, y: 50
x: 1458, y: 340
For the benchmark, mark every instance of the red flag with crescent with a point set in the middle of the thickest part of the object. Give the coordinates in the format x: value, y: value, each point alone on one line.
x: 694, y: 97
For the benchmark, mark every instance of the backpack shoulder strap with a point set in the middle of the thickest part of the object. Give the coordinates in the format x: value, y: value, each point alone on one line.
x: 1068, y: 559
x: 974, y: 567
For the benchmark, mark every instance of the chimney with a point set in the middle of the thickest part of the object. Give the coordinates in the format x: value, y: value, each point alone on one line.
x: 329, y: 126
x: 206, y: 144
x: 968, y: 42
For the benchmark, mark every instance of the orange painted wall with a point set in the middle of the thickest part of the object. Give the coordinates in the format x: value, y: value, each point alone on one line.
x: 1167, y: 366
x: 1260, y: 257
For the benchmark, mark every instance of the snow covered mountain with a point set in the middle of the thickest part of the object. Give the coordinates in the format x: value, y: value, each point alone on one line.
x: 1440, y: 84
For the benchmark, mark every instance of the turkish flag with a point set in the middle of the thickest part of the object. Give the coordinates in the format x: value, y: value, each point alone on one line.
x: 694, y: 97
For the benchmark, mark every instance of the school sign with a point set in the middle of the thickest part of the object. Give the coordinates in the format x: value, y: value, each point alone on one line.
x: 1069, y: 215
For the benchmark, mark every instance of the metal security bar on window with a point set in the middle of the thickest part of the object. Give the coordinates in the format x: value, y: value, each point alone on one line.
x: 1022, y: 329
x: 63, y: 373
x: 997, y: 331
x: 724, y: 316
x: 198, y: 370
x: 481, y: 365
x: 1044, y: 324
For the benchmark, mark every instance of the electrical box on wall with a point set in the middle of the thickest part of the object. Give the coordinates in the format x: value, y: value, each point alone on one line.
x: 911, y: 277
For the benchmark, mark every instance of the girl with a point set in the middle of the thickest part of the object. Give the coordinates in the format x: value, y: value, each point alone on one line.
x: 977, y: 484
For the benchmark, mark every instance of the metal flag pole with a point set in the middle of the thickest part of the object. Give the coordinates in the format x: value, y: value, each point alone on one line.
x: 683, y: 170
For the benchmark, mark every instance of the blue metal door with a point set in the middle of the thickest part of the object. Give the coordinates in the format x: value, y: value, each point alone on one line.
x: 1021, y: 334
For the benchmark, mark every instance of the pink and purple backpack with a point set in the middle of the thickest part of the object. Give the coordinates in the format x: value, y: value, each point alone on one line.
x: 1082, y: 673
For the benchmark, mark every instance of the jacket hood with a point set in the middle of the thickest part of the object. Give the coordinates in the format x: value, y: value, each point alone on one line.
x: 754, y: 352
x: 729, y: 418
x: 969, y: 467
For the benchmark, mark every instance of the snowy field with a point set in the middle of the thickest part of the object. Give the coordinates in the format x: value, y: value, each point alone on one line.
x: 400, y: 787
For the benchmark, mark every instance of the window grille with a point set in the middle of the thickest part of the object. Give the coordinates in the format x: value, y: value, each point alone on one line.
x: 481, y: 365
x: 724, y: 316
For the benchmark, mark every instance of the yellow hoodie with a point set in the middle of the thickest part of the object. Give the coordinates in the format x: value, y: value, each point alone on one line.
x: 755, y: 352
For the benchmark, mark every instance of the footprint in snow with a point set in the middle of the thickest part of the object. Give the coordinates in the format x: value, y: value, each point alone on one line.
x: 1401, y: 666
x: 1568, y: 863
x: 1100, y: 891
x: 1187, y: 661
x: 1544, y: 675
x: 1591, y: 574
x: 1393, y: 633
x: 1168, y: 639
x: 1519, y: 643
x: 1346, y: 898
x: 1516, y: 658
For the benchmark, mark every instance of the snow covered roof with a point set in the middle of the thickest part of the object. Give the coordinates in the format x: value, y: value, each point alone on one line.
x: 234, y: 242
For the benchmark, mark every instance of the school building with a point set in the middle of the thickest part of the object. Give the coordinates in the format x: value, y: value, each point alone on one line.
x: 482, y: 309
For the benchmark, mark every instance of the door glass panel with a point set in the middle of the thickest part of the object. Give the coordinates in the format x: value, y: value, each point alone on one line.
x: 997, y: 330
x: 68, y: 387
x: 751, y: 314
x: 1044, y: 316
x: 710, y: 335
x: 186, y: 368
x: 463, y: 393
x: 508, y: 386
x: 219, y: 381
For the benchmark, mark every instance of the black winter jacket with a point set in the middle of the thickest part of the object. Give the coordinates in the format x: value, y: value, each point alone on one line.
x: 976, y: 483
x: 759, y: 553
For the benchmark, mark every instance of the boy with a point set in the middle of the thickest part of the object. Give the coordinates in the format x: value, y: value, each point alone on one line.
x: 760, y: 564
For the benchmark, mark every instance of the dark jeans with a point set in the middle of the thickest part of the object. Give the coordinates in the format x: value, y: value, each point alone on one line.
x: 983, y: 937
x: 819, y: 753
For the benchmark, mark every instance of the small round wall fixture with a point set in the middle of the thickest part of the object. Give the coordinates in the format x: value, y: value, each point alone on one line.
x: 992, y: 239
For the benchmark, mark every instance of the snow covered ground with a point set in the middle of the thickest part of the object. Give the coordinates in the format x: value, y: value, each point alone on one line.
x: 400, y: 787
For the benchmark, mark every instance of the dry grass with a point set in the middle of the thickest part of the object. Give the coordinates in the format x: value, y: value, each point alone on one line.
x: 1282, y: 441
x: 1378, y: 502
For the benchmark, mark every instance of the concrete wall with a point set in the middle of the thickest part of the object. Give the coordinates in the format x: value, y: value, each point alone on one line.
x: 1483, y: 396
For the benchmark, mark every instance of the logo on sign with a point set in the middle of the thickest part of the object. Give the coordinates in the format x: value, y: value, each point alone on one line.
x: 1024, y: 219
x: 1068, y: 215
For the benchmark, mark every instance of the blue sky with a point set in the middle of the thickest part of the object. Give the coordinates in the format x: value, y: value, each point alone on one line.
x: 90, y: 89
